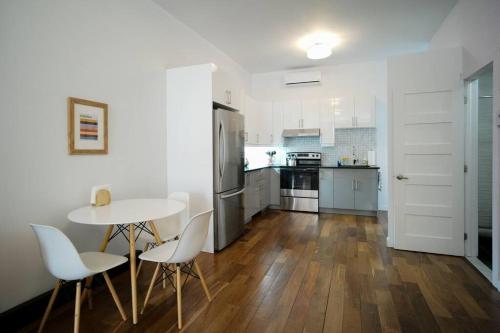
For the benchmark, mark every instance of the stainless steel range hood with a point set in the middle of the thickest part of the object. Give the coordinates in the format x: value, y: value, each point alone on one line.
x: 293, y: 133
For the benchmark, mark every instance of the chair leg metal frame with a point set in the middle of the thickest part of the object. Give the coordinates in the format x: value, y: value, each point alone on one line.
x: 78, y: 301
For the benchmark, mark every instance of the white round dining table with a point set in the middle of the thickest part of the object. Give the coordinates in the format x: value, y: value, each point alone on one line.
x: 127, y: 215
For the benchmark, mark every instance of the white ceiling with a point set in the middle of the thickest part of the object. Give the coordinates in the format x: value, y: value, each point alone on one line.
x: 262, y: 35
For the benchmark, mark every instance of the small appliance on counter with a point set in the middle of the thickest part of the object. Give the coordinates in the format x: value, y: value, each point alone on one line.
x: 299, y: 184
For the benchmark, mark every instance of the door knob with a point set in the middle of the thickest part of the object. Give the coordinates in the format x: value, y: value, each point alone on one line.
x: 401, y: 177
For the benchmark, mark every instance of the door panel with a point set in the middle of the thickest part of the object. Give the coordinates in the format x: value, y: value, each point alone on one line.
x: 229, y: 219
x: 229, y: 150
x: 326, y: 188
x: 292, y: 114
x: 343, y: 191
x: 366, y: 190
x: 344, y: 112
x: 428, y: 131
x: 310, y: 113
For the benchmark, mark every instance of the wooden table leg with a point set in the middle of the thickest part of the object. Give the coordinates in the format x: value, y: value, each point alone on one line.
x: 133, y: 279
x: 102, y: 248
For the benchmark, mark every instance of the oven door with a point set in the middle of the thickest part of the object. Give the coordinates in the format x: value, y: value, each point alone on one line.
x: 299, y: 182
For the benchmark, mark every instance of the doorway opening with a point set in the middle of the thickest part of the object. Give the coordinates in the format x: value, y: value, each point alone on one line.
x: 479, y: 164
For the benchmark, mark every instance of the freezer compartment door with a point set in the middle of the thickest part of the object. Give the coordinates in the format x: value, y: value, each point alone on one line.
x: 229, y: 218
x: 229, y: 150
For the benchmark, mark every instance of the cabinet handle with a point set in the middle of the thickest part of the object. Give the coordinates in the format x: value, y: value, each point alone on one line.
x: 228, y: 96
x: 352, y: 121
x: 257, y: 138
x: 246, y: 136
x: 272, y: 138
x: 352, y: 184
x: 356, y: 120
x: 356, y: 185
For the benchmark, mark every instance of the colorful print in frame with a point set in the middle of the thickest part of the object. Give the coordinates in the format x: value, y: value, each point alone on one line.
x: 87, y: 127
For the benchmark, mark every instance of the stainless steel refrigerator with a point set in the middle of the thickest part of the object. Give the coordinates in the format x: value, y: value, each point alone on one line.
x: 229, y: 177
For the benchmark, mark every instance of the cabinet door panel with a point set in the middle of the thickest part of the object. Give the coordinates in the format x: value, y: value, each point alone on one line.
x: 277, y: 124
x: 364, y: 110
x: 344, y: 112
x: 326, y: 186
x: 366, y: 190
x: 274, y: 182
x: 343, y: 191
x: 310, y: 113
x: 264, y: 123
x: 292, y: 114
x: 327, y: 122
x: 250, y: 120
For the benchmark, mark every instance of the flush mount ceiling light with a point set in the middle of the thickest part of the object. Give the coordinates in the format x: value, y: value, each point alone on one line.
x: 319, y: 45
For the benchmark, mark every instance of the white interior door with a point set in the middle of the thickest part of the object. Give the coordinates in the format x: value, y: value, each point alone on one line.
x: 428, y: 156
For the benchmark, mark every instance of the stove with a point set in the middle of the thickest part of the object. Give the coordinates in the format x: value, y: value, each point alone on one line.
x: 299, y: 183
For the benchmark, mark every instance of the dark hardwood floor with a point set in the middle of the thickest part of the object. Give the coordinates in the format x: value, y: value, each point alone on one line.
x: 297, y: 272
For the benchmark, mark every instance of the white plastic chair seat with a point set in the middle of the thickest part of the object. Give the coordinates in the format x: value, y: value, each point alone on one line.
x: 161, y: 253
x: 99, y: 262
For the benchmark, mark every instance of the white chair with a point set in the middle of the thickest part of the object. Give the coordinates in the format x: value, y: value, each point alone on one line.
x: 178, y: 252
x: 66, y: 264
x: 169, y: 228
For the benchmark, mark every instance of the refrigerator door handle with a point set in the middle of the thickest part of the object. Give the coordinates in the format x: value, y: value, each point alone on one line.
x: 222, y: 150
x: 233, y: 194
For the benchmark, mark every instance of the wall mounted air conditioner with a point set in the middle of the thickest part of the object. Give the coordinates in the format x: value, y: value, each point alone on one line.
x: 299, y: 78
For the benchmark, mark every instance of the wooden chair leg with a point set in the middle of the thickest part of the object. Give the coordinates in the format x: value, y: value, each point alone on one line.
x: 178, y: 289
x: 151, y: 285
x: 140, y: 262
x: 115, y: 296
x: 49, y: 306
x: 202, y: 280
x: 76, y: 327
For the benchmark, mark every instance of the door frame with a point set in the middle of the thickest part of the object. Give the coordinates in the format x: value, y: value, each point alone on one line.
x: 471, y: 176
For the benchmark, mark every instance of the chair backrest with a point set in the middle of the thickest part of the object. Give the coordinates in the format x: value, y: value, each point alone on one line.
x: 59, y: 254
x: 192, y: 238
x: 176, y: 223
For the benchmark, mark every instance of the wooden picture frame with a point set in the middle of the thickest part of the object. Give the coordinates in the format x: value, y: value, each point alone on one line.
x: 87, y: 127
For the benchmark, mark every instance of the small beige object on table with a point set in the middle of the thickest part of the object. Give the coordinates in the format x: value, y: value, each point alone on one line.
x: 128, y: 215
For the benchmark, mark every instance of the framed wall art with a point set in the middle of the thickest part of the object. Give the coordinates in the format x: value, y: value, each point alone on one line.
x: 87, y: 127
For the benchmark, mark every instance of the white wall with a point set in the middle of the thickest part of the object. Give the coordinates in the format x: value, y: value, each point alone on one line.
x: 113, y: 51
x: 349, y: 79
x: 475, y: 25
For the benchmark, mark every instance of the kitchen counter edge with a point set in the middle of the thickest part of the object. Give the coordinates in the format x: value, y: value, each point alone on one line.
x: 321, y: 167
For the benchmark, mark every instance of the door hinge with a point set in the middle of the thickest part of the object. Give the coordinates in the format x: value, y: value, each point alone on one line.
x: 465, y: 99
x: 465, y: 236
x: 466, y: 168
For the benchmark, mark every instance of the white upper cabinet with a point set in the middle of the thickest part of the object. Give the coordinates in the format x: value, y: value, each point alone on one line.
x: 344, y: 112
x: 364, y: 110
x: 258, y: 122
x: 310, y: 113
x: 292, y: 114
x: 276, y: 138
x: 226, y: 89
x: 250, y: 120
x: 355, y: 112
x: 264, y: 122
x: 327, y: 121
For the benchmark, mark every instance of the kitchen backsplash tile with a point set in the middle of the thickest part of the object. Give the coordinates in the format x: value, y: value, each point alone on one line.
x: 363, y: 139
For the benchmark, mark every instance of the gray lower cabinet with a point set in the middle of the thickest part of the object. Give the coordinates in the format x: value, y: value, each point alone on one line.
x: 274, y: 181
x: 326, y: 188
x: 355, y: 189
x: 343, y: 191
x: 366, y: 190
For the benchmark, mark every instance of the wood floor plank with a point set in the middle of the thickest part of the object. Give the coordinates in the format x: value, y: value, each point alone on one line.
x: 300, y: 272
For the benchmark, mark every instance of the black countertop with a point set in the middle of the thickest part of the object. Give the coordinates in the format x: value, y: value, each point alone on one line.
x: 350, y: 167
